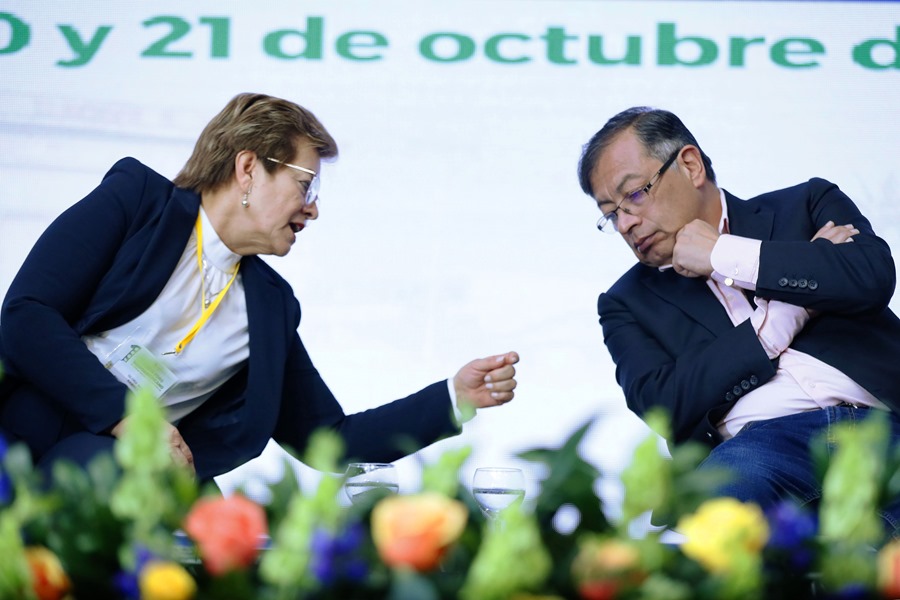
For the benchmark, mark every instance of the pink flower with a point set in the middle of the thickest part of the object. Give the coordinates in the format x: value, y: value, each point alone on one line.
x: 227, y: 532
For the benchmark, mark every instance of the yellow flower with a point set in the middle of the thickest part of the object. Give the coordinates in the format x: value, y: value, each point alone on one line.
x: 723, y: 533
x: 415, y: 531
x: 166, y: 581
x: 49, y: 580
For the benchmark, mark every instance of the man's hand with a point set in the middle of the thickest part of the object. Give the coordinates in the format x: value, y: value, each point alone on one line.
x: 836, y: 234
x: 693, y: 248
x: 486, y: 381
x: 178, y: 448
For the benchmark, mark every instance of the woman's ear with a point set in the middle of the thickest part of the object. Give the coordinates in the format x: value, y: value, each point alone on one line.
x: 244, y: 163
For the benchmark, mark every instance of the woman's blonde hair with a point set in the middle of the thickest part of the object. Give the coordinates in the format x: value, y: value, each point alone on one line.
x: 269, y: 126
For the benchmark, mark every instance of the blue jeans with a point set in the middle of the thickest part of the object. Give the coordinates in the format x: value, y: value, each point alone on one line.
x: 771, y: 459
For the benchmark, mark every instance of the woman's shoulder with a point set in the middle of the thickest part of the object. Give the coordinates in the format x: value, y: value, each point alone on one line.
x: 133, y: 168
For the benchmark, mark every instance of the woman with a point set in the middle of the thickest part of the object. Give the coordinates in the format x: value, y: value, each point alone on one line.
x: 157, y: 284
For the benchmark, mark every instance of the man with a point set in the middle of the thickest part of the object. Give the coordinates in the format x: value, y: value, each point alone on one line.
x: 756, y: 324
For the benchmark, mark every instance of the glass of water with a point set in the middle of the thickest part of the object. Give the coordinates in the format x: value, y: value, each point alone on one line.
x: 366, y: 482
x: 497, y: 488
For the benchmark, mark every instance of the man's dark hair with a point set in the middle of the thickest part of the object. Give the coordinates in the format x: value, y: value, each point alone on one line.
x: 660, y: 132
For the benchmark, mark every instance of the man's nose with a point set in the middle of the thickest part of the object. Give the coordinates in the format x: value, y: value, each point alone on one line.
x: 626, y: 221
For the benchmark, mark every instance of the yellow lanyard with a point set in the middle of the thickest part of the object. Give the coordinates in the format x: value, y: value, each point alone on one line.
x: 207, y: 311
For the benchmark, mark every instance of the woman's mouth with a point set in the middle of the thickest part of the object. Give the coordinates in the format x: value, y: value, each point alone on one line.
x: 297, y: 227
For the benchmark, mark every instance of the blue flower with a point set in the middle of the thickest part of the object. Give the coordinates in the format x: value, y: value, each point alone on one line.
x: 5, y: 483
x: 334, y: 556
x: 853, y: 591
x: 126, y: 582
x: 792, y: 532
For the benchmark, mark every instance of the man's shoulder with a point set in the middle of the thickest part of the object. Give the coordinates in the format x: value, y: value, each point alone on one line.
x: 813, y: 186
x: 631, y: 279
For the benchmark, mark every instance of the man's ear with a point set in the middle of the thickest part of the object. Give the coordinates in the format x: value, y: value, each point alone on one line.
x: 692, y: 162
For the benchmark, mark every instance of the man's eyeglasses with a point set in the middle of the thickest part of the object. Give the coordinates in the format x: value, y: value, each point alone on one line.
x: 312, y: 186
x: 609, y: 222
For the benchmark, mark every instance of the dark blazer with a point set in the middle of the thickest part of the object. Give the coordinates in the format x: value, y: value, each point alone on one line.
x: 101, y: 264
x: 675, y: 347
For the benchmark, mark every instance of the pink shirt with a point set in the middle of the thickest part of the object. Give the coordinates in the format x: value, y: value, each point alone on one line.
x: 801, y: 382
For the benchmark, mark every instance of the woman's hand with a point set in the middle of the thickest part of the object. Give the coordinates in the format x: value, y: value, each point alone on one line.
x: 178, y: 448
x: 486, y: 381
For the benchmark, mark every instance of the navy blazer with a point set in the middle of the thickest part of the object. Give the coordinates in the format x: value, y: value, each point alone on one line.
x: 674, y: 345
x: 101, y: 264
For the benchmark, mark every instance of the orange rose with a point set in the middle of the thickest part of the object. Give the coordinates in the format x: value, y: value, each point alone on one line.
x: 416, y: 531
x: 606, y: 566
x: 889, y: 570
x: 48, y: 578
x: 227, y: 532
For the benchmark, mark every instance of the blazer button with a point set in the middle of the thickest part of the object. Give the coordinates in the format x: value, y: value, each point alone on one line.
x: 792, y: 283
x: 737, y: 391
x: 813, y: 284
x: 729, y: 396
x: 783, y: 282
x: 754, y: 380
x: 802, y: 283
x: 745, y: 384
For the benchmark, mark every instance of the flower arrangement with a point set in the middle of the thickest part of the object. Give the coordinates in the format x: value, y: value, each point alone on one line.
x: 137, y: 526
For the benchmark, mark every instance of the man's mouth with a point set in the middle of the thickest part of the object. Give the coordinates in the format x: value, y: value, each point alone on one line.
x: 643, y: 244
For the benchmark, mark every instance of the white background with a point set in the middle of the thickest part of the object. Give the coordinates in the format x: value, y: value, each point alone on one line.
x: 452, y: 225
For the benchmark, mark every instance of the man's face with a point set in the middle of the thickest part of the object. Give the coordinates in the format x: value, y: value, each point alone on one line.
x: 625, y: 167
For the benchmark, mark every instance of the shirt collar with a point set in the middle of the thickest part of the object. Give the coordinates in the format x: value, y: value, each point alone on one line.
x: 214, y: 249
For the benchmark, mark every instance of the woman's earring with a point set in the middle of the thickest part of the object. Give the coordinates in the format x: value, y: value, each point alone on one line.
x: 244, y: 201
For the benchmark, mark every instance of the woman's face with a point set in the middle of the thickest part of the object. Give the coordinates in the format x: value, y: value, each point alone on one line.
x: 278, y: 210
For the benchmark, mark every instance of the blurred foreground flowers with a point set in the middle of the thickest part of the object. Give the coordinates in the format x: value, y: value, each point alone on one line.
x: 137, y: 526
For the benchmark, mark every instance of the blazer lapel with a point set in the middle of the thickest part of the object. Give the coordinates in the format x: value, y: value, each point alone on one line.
x: 270, y: 338
x: 690, y: 295
x: 749, y: 220
x: 148, y: 264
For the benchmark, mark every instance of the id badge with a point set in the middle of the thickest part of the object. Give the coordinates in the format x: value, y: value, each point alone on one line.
x: 137, y: 367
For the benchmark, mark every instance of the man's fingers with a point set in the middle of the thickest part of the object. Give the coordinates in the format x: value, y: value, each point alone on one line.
x: 836, y: 234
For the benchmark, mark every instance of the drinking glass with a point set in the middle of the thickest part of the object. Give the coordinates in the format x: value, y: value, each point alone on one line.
x: 496, y: 488
x: 365, y: 482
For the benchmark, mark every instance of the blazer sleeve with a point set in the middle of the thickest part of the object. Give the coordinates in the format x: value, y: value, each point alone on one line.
x: 54, y: 288
x: 850, y: 278
x: 381, y: 434
x: 667, y: 360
